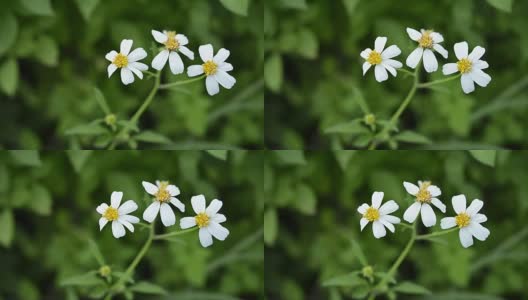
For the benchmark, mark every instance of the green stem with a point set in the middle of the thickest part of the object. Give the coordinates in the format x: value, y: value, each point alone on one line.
x: 438, y: 233
x: 435, y: 82
x: 407, y: 72
x: 174, y: 233
x: 178, y: 83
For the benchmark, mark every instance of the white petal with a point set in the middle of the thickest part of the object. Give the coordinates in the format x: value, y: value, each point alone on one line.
x: 466, y: 238
x: 224, y: 79
x: 430, y: 62
x: 117, y: 229
x: 387, y: 224
x: 125, y: 47
x: 187, y: 222
x: 411, y: 213
x: 411, y: 188
x: 366, y: 67
x: 151, y: 212
x: 218, y: 231
x: 474, y: 207
x: 477, y: 53
x: 378, y: 229
x: 176, y: 63
x: 480, y: 64
x: 434, y: 190
x: 205, y: 237
x: 414, y: 58
x: 461, y: 50
x: 480, y: 232
x: 415, y: 35
x: 381, y: 73
x: 393, y: 63
x: 137, y: 54
x: 365, y: 53
x: 428, y: 215
x: 221, y: 56
x: 437, y: 37
x: 379, y: 44
x: 389, y: 207
x: 127, y: 207
x: 212, y: 86
x: 390, y: 69
x: 185, y: 51
x: 173, y: 190
x: 178, y: 204
x: 129, y: 218
x: 362, y: 223
x: 480, y: 77
x: 167, y: 215
x: 213, y: 207
x: 449, y: 69
x: 363, y: 208
x: 479, y: 218
x: 198, y: 204
x: 206, y: 52
x: 160, y: 60
x: 447, y: 223
x: 159, y: 37
x: 391, y: 52
x: 441, y: 50
x: 218, y: 218
x: 182, y: 39
x: 115, y: 199
x: 441, y: 206
x: 376, y: 199
x: 467, y: 83
x: 102, y: 222
x: 111, y: 69
x: 126, y: 76
x: 195, y: 70
x: 135, y: 71
x: 459, y: 203
x: 391, y: 219
x: 111, y: 55
x: 126, y: 224
x: 149, y: 187
x: 226, y: 67
x: 102, y: 208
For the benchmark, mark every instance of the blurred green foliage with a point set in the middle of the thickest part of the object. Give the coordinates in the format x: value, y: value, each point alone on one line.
x: 52, y: 58
x: 312, y: 224
x: 314, y: 79
x: 49, y: 232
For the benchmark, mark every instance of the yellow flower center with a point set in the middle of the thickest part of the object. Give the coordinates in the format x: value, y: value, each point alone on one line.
x: 374, y: 58
x: 120, y: 60
x: 462, y: 220
x: 163, y: 195
x: 426, y: 41
x: 210, y: 68
x: 372, y: 214
x: 202, y: 219
x: 464, y: 65
x: 171, y: 43
x: 423, y: 194
x: 111, y: 214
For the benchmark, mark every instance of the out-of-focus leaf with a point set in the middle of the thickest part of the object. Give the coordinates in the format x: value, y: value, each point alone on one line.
x: 86, y: 7
x: 8, y: 31
x: 294, y: 157
x: 412, y: 288
x: 352, y: 127
x: 30, y: 158
x: 308, y: 46
x: 220, y: 154
x: 99, y: 97
x: 47, y: 52
x: 86, y: 279
x: 40, y: 200
x: 7, y: 227
x: 9, y: 76
x: 239, y: 7
x: 148, y: 288
x: 152, y: 137
x: 504, y: 5
x: 37, y: 7
x: 78, y: 158
x: 273, y: 71
x: 348, y: 280
x: 271, y: 225
x: 93, y: 128
x: 297, y: 4
x: 412, y: 137
x: 487, y: 157
x: 306, y: 200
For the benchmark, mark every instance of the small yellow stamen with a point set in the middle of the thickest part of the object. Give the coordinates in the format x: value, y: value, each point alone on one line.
x: 462, y: 220
x: 163, y: 195
x: 423, y: 194
x: 172, y: 43
x: 374, y: 58
x: 372, y: 214
x: 464, y: 65
x: 111, y: 214
x: 120, y: 60
x: 202, y: 219
x: 210, y: 68
x: 426, y: 41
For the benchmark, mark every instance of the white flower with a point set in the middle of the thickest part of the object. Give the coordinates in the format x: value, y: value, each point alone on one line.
x: 215, y: 68
x: 428, y: 41
x: 468, y: 220
x: 470, y: 66
x: 382, y: 59
x: 174, y: 43
x: 207, y: 219
x: 127, y: 61
x: 163, y: 193
x: 378, y: 215
x: 425, y: 195
x: 119, y: 215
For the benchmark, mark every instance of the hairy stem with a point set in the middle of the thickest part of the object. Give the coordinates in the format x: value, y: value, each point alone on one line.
x: 174, y: 233
x: 438, y: 233
x: 435, y: 82
x: 178, y: 83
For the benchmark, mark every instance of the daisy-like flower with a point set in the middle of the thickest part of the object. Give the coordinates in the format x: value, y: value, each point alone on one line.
x: 207, y: 219
x: 428, y: 41
x: 379, y: 216
x: 127, y: 61
x: 381, y: 59
x: 163, y: 193
x: 425, y: 194
x: 215, y: 68
x: 470, y: 66
x: 118, y: 215
x: 174, y: 43
x: 468, y: 220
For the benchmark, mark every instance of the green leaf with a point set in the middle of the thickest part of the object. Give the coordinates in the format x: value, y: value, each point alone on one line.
x: 273, y: 72
x: 148, y: 288
x: 86, y: 7
x: 30, y: 158
x: 9, y: 77
x: 504, y: 5
x: 78, y: 158
x: 308, y: 46
x: 348, y: 280
x: 343, y: 157
x: 220, y: 154
x: 239, y: 7
x: 7, y: 228
x: 271, y: 225
x: 40, y: 200
x: 293, y: 157
x: 350, y: 6
x: 37, y: 7
x: 86, y: 279
x: 297, y: 4
x: 412, y: 137
x: 408, y: 287
x: 152, y: 137
x: 352, y: 127
x: 94, y: 249
x: 47, y: 52
x: 486, y: 157
x: 306, y: 200
x: 4, y: 179
x: 8, y: 31
x: 99, y: 97
x: 358, y: 253
x: 93, y: 128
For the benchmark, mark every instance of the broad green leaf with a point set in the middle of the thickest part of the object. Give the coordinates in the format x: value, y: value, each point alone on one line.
x: 9, y: 76
x: 408, y: 287
x: 40, y: 200
x: 99, y: 97
x: 294, y: 157
x: 352, y: 127
x: 239, y: 7
x: 152, y: 137
x: 271, y: 226
x: 306, y: 200
x: 8, y: 31
x: 220, y: 154
x: 29, y: 158
x: 412, y: 137
x: 86, y: 279
x: 348, y: 280
x: 273, y: 72
x: 486, y: 157
x: 37, y: 7
x: 308, y: 46
x: 47, y: 52
x: 7, y: 227
x: 78, y: 158
x: 86, y: 7
x: 93, y: 128
x: 148, y: 288
x: 504, y: 5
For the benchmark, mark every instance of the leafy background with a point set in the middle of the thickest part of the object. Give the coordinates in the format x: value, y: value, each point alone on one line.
x: 52, y: 58
x: 312, y: 224
x: 47, y: 218
x: 314, y: 80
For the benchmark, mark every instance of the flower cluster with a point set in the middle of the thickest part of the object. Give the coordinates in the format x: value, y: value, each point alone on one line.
x: 426, y: 194
x: 207, y: 218
x: 469, y: 66
x: 214, y: 67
